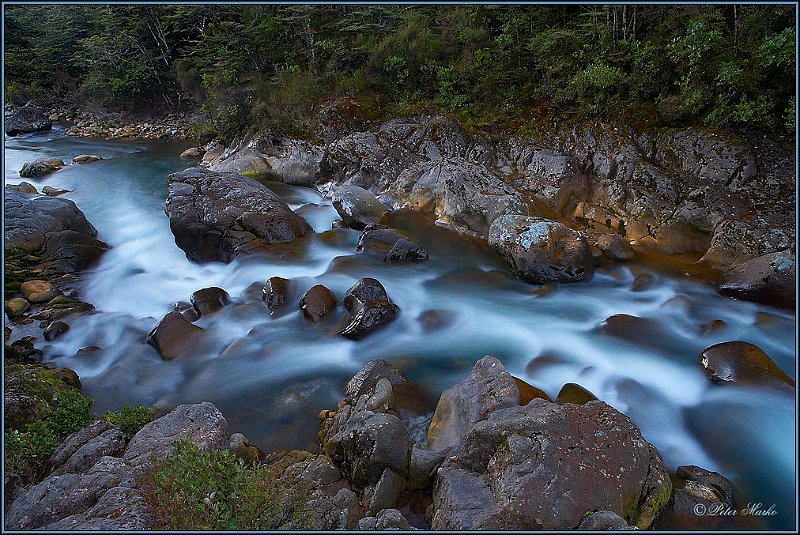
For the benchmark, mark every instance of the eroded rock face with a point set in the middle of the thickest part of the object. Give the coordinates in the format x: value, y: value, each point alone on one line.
x: 213, y: 214
x: 369, y: 307
x: 743, y: 363
x: 540, y: 250
x: 27, y: 119
x: 543, y: 465
x: 52, y: 230
x: 768, y: 279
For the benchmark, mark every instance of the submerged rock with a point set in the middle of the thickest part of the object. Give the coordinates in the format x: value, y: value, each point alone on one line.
x: 213, y: 214
x: 317, y: 303
x: 40, y: 167
x: 768, y: 279
x: 540, y: 251
x: 55, y: 330
x: 357, y: 207
x: 743, y: 363
x: 700, y: 500
x: 369, y: 307
x: 27, y: 119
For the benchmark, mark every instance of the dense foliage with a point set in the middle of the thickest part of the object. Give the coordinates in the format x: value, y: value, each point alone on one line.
x: 131, y: 418
x: 194, y: 489
x: 261, y: 66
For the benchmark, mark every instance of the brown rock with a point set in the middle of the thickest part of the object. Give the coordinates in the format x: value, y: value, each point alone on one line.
x: 16, y: 307
x: 317, y: 303
x: 528, y: 392
x: 574, y: 393
x: 743, y: 363
x: 38, y: 291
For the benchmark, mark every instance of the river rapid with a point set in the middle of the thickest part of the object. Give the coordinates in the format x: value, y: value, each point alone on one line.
x: 271, y: 377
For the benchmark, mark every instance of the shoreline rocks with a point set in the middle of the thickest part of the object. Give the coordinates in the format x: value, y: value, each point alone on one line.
x: 26, y: 120
x: 40, y: 167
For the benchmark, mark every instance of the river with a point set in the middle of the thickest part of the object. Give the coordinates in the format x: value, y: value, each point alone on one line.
x: 271, y: 377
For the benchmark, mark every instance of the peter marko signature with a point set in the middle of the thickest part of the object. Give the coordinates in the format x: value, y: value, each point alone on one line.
x: 722, y: 509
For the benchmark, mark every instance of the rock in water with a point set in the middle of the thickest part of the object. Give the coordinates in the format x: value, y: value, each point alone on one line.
x: 193, y: 153
x: 51, y: 229
x: 357, y: 207
x: 23, y: 187
x: 175, y: 337
x: 540, y: 250
x: 87, y: 158
x: 317, y: 303
x: 40, y: 167
x: 391, y: 244
x: 26, y: 120
x: 369, y: 307
x: 768, y: 279
x: 743, y: 363
x: 38, y: 291
x: 48, y: 190
x: 209, y: 300
x: 277, y: 291
x: 212, y: 214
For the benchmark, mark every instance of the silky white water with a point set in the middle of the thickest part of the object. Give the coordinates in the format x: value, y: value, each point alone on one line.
x: 271, y: 377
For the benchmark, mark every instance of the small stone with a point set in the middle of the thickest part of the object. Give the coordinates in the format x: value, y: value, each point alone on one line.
x: 243, y: 449
x: 193, y: 153
x: 38, y: 291
x: 51, y: 191
x: 317, y: 303
x: 209, y: 300
x: 86, y: 158
x: 276, y: 293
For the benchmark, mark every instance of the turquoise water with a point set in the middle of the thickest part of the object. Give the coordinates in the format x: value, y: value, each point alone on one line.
x: 271, y: 377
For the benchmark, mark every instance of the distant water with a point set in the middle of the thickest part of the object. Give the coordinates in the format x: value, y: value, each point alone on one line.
x: 271, y: 377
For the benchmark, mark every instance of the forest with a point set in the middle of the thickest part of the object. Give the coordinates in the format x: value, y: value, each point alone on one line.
x: 247, y: 67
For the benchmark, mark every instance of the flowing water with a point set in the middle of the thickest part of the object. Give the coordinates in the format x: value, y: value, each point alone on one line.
x: 271, y: 377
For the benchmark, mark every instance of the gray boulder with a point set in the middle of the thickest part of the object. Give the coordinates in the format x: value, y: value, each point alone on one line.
x: 27, y: 119
x: 768, y: 279
x: 213, y: 214
x: 52, y: 230
x: 357, y: 207
x: 386, y: 519
x: 369, y: 307
x: 540, y: 251
x: 81, y: 450
x: 40, y: 167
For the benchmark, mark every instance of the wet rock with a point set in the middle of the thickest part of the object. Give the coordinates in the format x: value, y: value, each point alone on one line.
x: 488, y: 387
x: 574, y: 393
x: 713, y: 327
x: 615, y: 247
x: 357, y: 207
x: 84, y: 448
x: 391, y: 244
x: 387, y: 519
x: 52, y: 231
x: 53, y: 192
x: 540, y: 251
x: 768, y: 279
x: 697, y: 490
x: 603, y: 521
x: 743, y: 363
x: 87, y: 158
x: 317, y: 303
x: 405, y: 393
x: 38, y: 291
x: 22, y: 350
x: 543, y: 465
x: 213, y: 214
x: 209, y: 300
x: 435, y: 320
x: 243, y: 449
x: 528, y: 392
x: 40, y: 167
x: 203, y: 422
x: 27, y: 119
x: 174, y: 337
x: 369, y: 307
x: 277, y: 291
x: 642, y: 282
x: 16, y: 307
x: 55, y: 330
x: 193, y: 153
x: 23, y: 187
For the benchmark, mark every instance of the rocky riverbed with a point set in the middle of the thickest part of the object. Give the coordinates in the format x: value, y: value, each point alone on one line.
x: 416, y: 202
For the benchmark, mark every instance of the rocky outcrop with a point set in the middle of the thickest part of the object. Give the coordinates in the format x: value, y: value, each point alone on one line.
x: 213, y: 214
x: 768, y: 279
x: 369, y: 307
x: 357, y: 207
x: 27, y: 119
x: 743, y: 363
x: 40, y: 167
x: 541, y: 251
x: 52, y: 234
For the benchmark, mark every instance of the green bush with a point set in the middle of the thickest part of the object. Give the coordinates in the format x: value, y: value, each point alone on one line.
x: 194, y: 489
x: 132, y: 419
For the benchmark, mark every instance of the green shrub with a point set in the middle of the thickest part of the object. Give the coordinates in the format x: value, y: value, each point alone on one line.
x: 132, y: 419
x: 194, y: 489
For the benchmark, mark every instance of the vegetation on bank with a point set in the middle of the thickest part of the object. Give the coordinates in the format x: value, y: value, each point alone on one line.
x: 268, y: 66
x: 193, y: 489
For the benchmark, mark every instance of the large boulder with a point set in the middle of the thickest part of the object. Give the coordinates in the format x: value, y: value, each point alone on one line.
x: 27, y: 119
x: 213, y: 214
x: 176, y: 337
x: 369, y: 307
x: 768, y: 279
x: 544, y: 466
x: 53, y: 234
x: 357, y: 207
x: 40, y: 167
x: 541, y: 251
